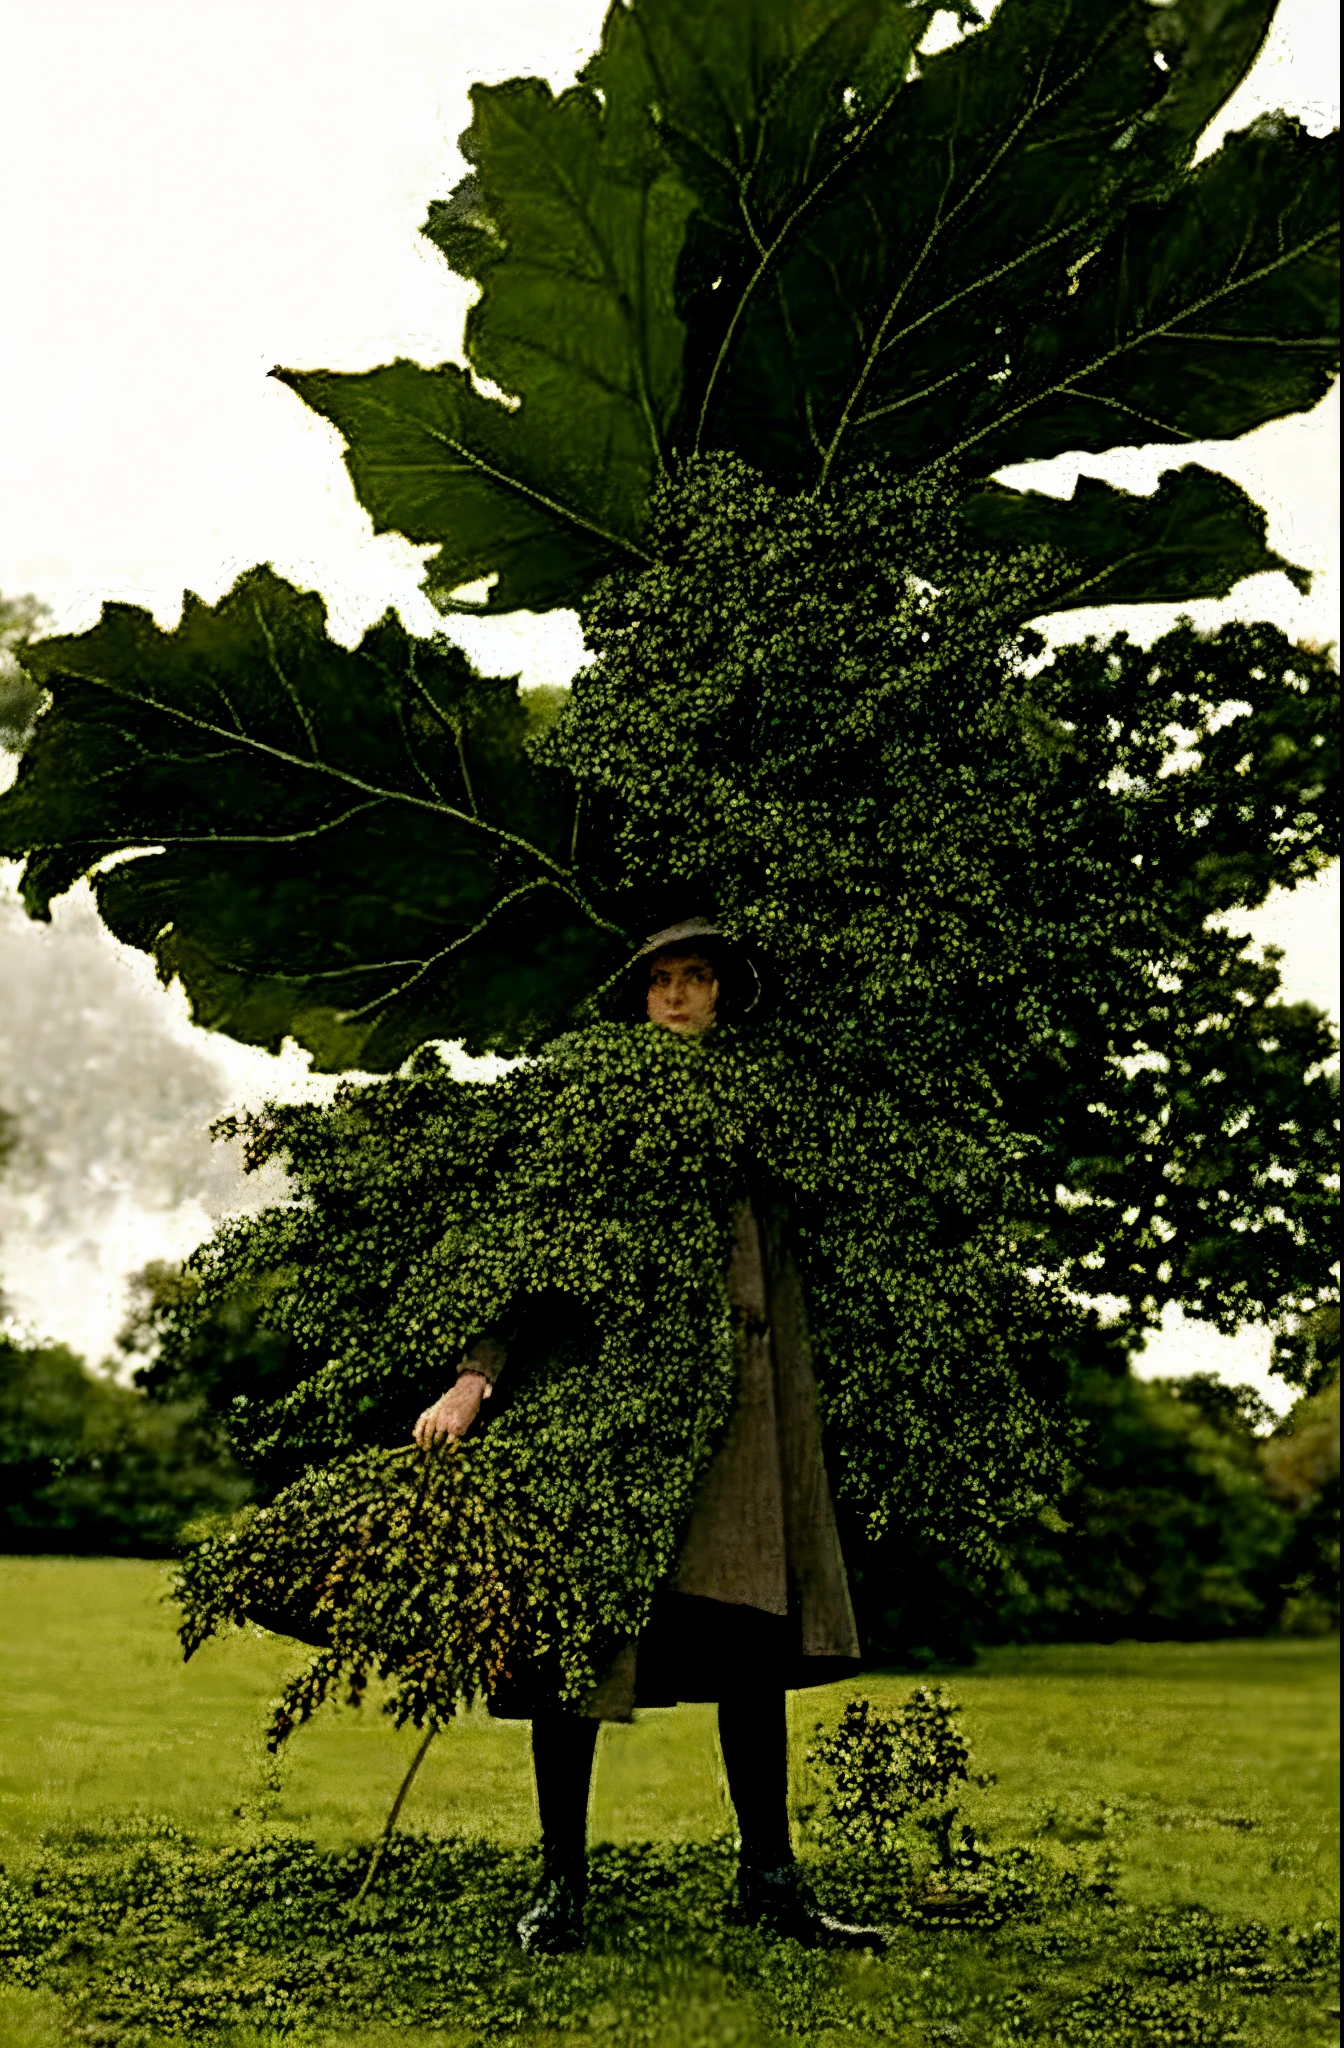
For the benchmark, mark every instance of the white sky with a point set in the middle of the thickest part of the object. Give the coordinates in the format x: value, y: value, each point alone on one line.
x: 195, y: 194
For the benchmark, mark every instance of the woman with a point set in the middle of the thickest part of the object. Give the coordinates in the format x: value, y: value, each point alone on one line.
x: 759, y: 1603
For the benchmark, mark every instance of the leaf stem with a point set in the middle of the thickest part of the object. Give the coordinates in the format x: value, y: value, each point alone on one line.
x: 423, y: 967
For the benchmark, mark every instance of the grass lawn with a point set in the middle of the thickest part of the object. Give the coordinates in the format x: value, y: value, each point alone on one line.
x: 1207, y: 1771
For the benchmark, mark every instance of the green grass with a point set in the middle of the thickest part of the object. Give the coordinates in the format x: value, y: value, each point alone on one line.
x: 1217, y: 1764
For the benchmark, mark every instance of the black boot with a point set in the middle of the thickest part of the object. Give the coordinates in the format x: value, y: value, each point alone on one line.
x: 553, y: 1923
x: 779, y: 1901
x: 562, y: 1753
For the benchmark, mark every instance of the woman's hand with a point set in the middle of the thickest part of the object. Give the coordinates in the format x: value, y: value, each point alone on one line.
x: 454, y: 1412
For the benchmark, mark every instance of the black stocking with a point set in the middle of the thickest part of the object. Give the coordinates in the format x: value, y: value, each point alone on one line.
x: 753, y: 1735
x: 562, y: 1756
x: 754, y: 1738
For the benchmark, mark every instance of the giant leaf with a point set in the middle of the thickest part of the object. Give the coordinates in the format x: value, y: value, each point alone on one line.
x: 573, y: 235
x: 1199, y: 318
x: 871, y: 310
x: 1196, y: 536
x: 509, y: 495
x: 998, y: 251
x: 352, y: 847
x: 763, y: 106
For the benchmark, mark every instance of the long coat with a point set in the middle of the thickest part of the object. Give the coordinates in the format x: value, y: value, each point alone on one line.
x: 760, y: 1579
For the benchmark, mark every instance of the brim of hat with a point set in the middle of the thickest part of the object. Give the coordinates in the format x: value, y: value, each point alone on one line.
x: 680, y: 934
x: 685, y: 934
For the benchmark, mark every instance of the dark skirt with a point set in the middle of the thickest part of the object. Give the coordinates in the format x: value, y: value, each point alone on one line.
x: 692, y: 1649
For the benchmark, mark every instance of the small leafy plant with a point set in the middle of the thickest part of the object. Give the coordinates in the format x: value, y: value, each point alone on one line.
x: 889, y: 1773
x: 891, y: 1833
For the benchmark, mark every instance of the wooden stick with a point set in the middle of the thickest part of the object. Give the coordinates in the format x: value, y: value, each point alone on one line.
x: 390, y: 1823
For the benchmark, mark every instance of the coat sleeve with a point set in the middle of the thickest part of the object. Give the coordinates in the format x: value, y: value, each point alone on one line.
x: 486, y: 1355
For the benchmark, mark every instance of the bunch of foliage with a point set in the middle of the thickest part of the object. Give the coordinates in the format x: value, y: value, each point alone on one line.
x: 893, y: 1835
x: 584, y: 1206
x: 987, y: 884
x: 92, y: 1466
x: 891, y: 1816
x: 770, y: 296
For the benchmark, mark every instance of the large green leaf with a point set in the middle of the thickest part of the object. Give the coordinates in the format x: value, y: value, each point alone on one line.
x: 505, y: 494
x: 1199, y: 318
x: 876, y: 304
x: 998, y: 252
x: 1196, y: 536
x: 352, y: 847
x: 764, y: 107
x: 573, y: 233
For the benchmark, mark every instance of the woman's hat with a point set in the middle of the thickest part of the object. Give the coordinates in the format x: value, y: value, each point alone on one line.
x: 721, y: 949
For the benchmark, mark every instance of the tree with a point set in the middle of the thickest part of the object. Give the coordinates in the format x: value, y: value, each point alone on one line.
x: 770, y: 297
x: 88, y: 1464
x: 91, y: 1466
x: 1301, y: 1463
x: 20, y: 697
x: 209, y: 1363
x: 1189, y: 1514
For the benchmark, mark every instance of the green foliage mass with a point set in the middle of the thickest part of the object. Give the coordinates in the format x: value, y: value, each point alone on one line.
x: 1301, y: 1465
x: 91, y: 1466
x: 985, y: 881
x: 890, y: 1774
x: 584, y: 1203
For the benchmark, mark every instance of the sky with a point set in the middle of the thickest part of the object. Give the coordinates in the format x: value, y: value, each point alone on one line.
x: 196, y: 194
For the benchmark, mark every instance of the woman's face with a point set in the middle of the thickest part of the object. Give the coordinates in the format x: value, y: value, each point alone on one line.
x: 683, y: 993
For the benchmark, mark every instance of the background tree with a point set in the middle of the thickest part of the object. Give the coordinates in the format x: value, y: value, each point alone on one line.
x: 20, y: 697
x: 770, y: 297
x: 1187, y: 1516
x: 89, y: 1464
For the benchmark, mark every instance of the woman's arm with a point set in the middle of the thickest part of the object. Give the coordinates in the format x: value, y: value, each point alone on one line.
x: 454, y: 1412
